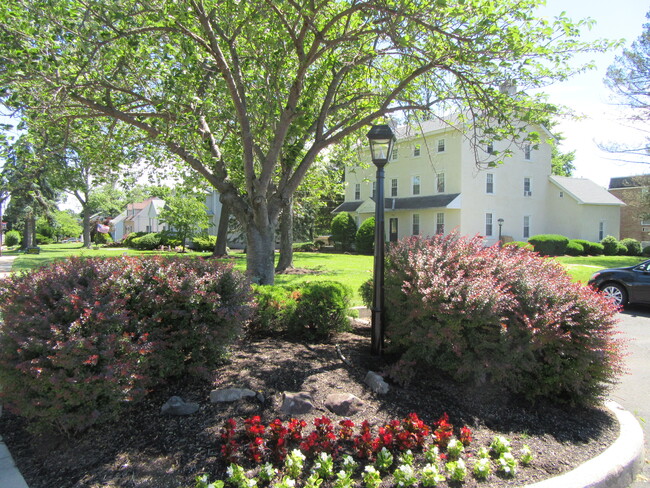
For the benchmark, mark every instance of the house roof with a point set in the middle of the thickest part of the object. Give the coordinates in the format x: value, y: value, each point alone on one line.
x: 405, y: 203
x: 629, y: 181
x: 140, y: 206
x: 585, y: 191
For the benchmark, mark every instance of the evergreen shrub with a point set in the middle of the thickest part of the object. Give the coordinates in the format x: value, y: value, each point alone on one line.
x: 365, y: 238
x: 203, y: 243
x: 621, y: 250
x: 610, y: 246
x: 306, y: 247
x: 344, y: 230
x: 128, y: 239
x: 646, y: 251
x: 633, y: 246
x: 549, y: 244
x: 147, y: 242
x: 596, y: 249
x: 42, y: 239
x: 102, y: 238
x: 82, y: 337
x: 12, y: 238
x: 586, y: 245
x: 500, y: 315
x: 574, y: 248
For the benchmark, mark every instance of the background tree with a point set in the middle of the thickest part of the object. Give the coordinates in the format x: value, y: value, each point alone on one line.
x: 232, y: 87
x: 186, y: 215
x: 629, y: 78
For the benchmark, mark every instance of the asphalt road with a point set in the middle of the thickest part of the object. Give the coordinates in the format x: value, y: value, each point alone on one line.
x: 633, y: 393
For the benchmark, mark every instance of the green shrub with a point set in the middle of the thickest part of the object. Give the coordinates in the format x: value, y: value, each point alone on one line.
x: 365, y: 238
x: 204, y: 243
x: 500, y: 315
x: 315, y: 311
x: 344, y: 230
x: 521, y: 244
x: 596, y: 249
x: 82, y: 337
x: 12, y: 238
x: 549, y: 244
x: 610, y: 246
x: 621, y: 250
x: 129, y: 238
x: 646, y: 251
x: 574, y: 248
x: 147, y: 242
x: 586, y: 245
x: 41, y: 239
x: 367, y: 292
x: 306, y: 247
x: 633, y: 246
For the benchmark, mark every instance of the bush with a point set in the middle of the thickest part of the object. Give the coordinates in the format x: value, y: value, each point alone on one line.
x: 204, y: 243
x: 596, y: 249
x: 621, y: 250
x: 314, y: 311
x: 41, y: 239
x: 365, y: 238
x: 102, y: 238
x: 574, y: 248
x: 502, y: 315
x: 84, y: 336
x: 610, y: 246
x: 521, y: 244
x: 646, y: 251
x: 12, y: 238
x: 586, y: 245
x: 128, y: 239
x: 344, y: 230
x: 147, y: 242
x: 549, y: 244
x: 633, y: 246
x: 305, y: 247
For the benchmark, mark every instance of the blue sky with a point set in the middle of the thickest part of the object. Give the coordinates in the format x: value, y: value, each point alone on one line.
x: 588, y: 96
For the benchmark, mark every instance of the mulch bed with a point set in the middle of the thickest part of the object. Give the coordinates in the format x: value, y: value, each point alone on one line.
x: 147, y: 449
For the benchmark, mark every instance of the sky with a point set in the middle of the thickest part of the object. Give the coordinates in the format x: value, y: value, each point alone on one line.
x: 587, y: 95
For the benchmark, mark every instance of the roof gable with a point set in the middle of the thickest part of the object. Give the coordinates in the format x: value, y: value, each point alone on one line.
x: 585, y: 191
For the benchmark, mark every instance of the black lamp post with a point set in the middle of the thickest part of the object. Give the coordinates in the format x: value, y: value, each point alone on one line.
x: 500, y: 221
x: 381, y: 139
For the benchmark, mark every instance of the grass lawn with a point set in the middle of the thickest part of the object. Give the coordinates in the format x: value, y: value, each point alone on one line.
x: 349, y: 269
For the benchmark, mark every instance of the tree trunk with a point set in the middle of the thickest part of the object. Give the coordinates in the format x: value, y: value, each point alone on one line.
x: 221, y: 247
x: 260, y: 253
x: 286, y: 238
x: 86, y: 226
x: 29, y: 239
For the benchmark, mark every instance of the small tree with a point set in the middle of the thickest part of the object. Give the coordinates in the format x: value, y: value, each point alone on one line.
x: 186, y: 215
x: 365, y: 238
x: 344, y: 230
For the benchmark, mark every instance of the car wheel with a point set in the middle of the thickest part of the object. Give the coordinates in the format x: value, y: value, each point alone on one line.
x: 615, y: 293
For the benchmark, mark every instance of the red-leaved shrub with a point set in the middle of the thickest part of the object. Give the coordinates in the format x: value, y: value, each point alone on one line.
x: 503, y: 315
x: 79, y: 338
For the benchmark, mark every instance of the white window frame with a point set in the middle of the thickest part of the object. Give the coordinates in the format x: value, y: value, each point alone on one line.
x: 416, y: 224
x: 394, y: 154
x: 489, y: 183
x: 441, y: 146
x: 489, y: 148
x: 528, y: 186
x: 393, y: 187
x: 528, y: 150
x: 357, y: 191
x: 526, y: 228
x: 416, y: 150
x: 440, y: 182
x: 416, y: 184
x: 440, y: 223
x: 489, y: 224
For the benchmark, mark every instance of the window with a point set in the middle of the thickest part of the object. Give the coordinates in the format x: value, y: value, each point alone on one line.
x: 357, y: 191
x: 488, y: 224
x: 527, y: 188
x: 527, y: 150
x: 416, y: 150
x: 148, y: 229
x: 394, y: 154
x: 440, y: 223
x: 393, y: 187
x: 440, y: 182
x: 490, y: 148
x: 416, y: 224
x: 526, y: 226
x: 374, y: 189
x: 601, y: 230
x: 416, y: 185
x: 441, y: 145
x: 489, y: 183
x: 561, y: 194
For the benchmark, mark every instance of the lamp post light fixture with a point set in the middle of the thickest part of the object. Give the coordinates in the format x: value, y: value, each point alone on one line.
x: 381, y: 139
x: 500, y: 221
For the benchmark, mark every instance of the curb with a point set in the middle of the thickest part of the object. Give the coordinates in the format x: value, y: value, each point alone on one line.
x: 616, y: 467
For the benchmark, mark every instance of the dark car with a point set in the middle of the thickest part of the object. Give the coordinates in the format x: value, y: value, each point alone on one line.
x: 630, y: 284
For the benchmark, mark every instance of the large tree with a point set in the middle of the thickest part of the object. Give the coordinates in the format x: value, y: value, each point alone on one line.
x: 629, y: 78
x: 234, y: 87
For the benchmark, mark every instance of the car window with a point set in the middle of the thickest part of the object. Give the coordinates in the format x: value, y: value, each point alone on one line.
x: 642, y: 267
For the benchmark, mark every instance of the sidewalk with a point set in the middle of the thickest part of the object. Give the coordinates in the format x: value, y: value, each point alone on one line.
x: 6, y: 262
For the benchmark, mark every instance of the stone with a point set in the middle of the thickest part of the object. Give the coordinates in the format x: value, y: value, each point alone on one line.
x: 177, y: 406
x: 343, y: 404
x: 376, y: 383
x: 230, y: 395
x: 296, y: 403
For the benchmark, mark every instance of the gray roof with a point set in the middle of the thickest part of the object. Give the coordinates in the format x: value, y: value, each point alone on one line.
x: 408, y: 203
x: 629, y: 181
x: 585, y: 191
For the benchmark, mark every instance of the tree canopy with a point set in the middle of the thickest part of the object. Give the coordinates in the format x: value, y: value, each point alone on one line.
x: 248, y: 94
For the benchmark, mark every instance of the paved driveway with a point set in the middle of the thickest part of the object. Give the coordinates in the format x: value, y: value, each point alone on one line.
x: 633, y: 393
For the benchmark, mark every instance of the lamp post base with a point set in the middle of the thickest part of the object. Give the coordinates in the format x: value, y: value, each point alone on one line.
x: 377, y: 340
